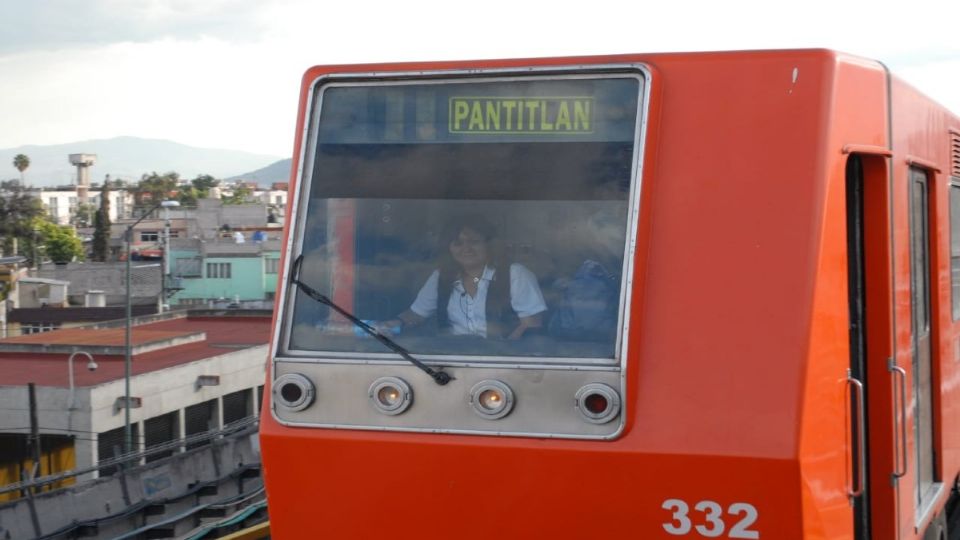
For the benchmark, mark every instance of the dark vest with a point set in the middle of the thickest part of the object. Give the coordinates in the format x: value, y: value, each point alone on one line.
x: 501, y: 319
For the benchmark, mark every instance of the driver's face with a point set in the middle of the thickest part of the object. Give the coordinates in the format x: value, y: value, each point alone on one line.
x: 469, y: 249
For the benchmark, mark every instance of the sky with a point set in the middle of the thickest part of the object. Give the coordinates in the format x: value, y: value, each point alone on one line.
x: 226, y: 73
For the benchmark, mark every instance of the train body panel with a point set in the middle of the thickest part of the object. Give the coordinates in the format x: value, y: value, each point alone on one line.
x: 755, y: 290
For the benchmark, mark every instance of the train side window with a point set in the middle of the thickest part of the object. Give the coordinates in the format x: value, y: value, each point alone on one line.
x: 955, y: 246
x: 919, y: 238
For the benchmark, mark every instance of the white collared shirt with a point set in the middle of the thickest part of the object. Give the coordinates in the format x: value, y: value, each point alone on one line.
x: 468, y: 314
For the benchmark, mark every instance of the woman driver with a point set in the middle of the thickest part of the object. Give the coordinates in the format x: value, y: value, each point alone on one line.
x: 480, y: 298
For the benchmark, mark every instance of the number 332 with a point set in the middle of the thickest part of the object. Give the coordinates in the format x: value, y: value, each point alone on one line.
x: 711, y: 514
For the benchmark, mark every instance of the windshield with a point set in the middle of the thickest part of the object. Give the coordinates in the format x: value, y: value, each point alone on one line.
x: 468, y: 218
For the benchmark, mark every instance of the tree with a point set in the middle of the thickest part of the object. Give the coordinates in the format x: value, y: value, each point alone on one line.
x: 203, y: 183
x: 154, y: 188
x: 18, y: 212
x: 240, y: 195
x: 199, y: 188
x: 101, y: 225
x: 83, y: 215
x: 62, y: 242
x: 21, y: 162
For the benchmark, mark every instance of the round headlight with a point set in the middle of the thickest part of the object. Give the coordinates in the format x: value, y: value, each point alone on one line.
x: 390, y: 395
x: 293, y: 391
x: 598, y: 403
x: 491, y: 399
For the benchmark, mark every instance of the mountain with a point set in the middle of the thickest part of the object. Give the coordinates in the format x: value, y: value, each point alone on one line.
x: 127, y: 158
x: 275, y: 172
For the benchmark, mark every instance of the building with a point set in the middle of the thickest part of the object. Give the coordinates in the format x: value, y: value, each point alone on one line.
x: 191, y: 373
x: 35, y: 292
x: 223, y: 254
x: 276, y: 198
x: 25, y: 321
x: 10, y: 273
x: 223, y: 270
x: 62, y: 204
x: 109, y: 280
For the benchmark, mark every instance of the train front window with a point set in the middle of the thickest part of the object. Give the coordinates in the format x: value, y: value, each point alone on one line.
x: 468, y: 218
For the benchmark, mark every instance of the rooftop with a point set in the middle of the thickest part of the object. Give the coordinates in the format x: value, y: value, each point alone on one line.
x: 109, y: 278
x: 189, y: 337
x: 76, y: 314
x: 43, y: 281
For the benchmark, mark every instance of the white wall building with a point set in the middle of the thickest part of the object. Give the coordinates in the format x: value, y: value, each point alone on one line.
x: 273, y: 197
x: 61, y: 205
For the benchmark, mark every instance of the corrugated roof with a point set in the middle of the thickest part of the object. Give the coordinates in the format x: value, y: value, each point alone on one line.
x: 43, y: 281
x: 224, y: 334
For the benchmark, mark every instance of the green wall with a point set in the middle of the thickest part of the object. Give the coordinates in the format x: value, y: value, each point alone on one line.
x: 248, y: 279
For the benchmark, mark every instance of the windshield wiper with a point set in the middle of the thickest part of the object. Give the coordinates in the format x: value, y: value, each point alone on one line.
x: 440, y: 377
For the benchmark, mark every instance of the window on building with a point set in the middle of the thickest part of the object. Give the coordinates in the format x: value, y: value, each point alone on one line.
x: 187, y: 267
x: 272, y: 266
x: 236, y: 406
x: 37, y: 327
x: 160, y: 430
x: 219, y: 270
x: 200, y: 418
x: 110, y: 444
x: 149, y: 236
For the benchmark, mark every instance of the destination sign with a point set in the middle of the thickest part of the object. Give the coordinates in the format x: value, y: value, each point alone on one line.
x: 466, y: 111
x: 544, y: 115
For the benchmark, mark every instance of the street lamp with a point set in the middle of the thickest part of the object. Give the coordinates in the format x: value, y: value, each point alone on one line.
x: 128, y: 236
x: 91, y: 366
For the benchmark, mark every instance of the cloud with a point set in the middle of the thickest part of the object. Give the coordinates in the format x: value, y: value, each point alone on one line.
x: 226, y: 73
x: 67, y: 24
x: 203, y: 93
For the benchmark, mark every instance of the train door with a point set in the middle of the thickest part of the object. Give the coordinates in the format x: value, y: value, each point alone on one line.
x: 856, y: 280
x: 872, y: 401
x: 922, y: 457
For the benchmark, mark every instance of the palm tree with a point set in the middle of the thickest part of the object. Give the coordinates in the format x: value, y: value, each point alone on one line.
x: 21, y: 162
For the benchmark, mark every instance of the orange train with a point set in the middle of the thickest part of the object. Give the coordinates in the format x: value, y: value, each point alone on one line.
x: 713, y: 295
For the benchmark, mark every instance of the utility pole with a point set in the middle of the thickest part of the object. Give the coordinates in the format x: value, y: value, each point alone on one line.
x: 34, y: 430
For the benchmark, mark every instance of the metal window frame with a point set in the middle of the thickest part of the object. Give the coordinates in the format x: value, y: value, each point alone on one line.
x: 280, y: 344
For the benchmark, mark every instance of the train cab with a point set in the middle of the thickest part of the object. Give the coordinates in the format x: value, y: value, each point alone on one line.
x: 647, y: 296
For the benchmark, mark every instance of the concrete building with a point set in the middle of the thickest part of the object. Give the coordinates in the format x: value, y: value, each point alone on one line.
x: 11, y: 270
x: 109, y: 280
x: 223, y: 254
x: 223, y: 270
x: 36, y: 292
x: 61, y: 204
x: 192, y: 373
x: 26, y: 321
x: 273, y: 197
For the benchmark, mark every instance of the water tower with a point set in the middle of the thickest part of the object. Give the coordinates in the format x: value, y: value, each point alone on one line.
x: 83, y: 162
